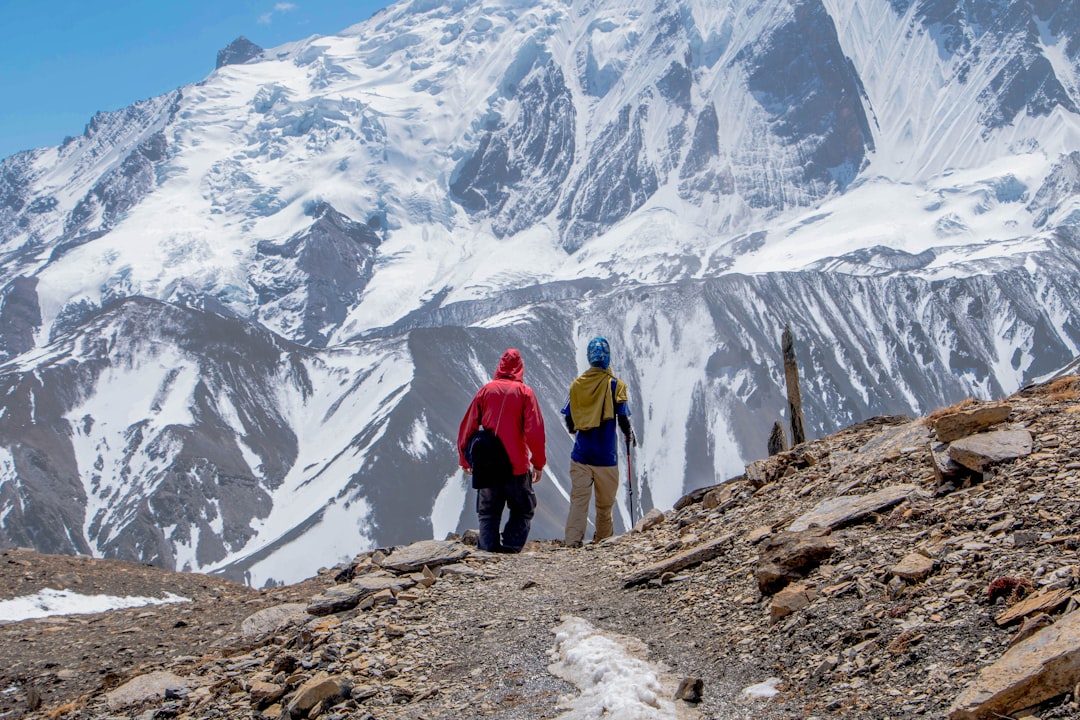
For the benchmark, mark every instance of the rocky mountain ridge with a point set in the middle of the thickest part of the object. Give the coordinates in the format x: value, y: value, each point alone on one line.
x: 895, y: 569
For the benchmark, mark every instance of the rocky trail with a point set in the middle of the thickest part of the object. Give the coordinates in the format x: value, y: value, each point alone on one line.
x: 899, y: 568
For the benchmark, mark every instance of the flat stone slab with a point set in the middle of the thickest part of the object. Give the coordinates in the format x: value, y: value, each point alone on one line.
x: 978, y: 451
x: 1041, y: 667
x: 151, y: 686
x: 272, y: 619
x: 347, y: 596
x: 432, y: 553
x: 892, y: 440
x: 968, y: 422
x: 841, y: 511
x: 693, y: 556
x: 889, y: 442
x: 1046, y: 601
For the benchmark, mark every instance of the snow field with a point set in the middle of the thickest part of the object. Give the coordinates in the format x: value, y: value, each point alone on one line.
x: 51, y: 602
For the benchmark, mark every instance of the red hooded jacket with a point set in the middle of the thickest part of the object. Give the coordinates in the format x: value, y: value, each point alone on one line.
x: 508, y: 406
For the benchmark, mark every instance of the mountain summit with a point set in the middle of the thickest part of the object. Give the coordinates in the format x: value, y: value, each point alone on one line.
x: 242, y: 319
x: 238, y: 51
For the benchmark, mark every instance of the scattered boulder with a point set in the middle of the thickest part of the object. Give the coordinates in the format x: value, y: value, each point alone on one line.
x: 790, y: 600
x: 1046, y: 601
x: 272, y: 619
x: 1041, y: 667
x: 946, y: 470
x: 381, y: 597
x: 695, y: 496
x: 761, y: 472
x: 758, y: 534
x: 1031, y: 626
x: 768, y: 470
x: 717, y: 497
x: 652, y: 518
x: 319, y: 689
x: 914, y: 567
x: 152, y: 686
x: 897, y: 434
x: 690, y: 689
x: 978, y: 451
x: 265, y: 693
x: 787, y: 557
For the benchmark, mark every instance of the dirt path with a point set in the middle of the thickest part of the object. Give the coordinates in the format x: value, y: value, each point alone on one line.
x: 496, y: 636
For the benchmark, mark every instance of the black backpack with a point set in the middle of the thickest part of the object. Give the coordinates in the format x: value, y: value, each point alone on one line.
x: 488, y: 459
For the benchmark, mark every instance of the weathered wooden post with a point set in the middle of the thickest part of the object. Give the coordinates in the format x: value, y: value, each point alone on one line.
x: 777, y: 439
x: 794, y: 396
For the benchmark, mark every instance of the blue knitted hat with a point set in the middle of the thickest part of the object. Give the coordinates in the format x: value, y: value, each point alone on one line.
x: 599, y: 353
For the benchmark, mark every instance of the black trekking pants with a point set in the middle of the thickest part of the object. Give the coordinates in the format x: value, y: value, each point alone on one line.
x: 517, y: 494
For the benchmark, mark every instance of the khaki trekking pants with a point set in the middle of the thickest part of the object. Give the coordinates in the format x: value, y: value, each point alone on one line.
x: 583, y: 479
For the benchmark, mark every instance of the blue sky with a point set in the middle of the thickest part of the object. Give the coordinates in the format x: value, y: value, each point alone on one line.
x: 63, y: 60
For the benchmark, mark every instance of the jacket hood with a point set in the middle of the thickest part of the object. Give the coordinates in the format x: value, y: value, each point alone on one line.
x: 511, y: 367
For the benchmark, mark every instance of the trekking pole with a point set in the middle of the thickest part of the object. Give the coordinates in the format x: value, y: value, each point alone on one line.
x: 630, y: 483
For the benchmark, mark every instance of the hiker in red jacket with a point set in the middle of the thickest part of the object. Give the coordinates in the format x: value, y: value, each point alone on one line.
x: 507, y: 406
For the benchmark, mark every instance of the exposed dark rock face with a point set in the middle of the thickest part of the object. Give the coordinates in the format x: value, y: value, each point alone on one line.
x: 315, y: 275
x: 813, y: 98
x: 1026, y: 84
x: 983, y: 32
x: 705, y: 147
x: 15, y: 179
x: 1062, y: 18
x: 620, y: 179
x: 677, y: 84
x: 20, y: 316
x: 237, y: 52
x: 116, y: 193
x: 1061, y: 185
x: 188, y: 474
x: 703, y: 172
x: 517, y: 171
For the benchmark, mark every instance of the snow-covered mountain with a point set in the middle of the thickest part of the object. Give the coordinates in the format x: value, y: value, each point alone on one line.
x: 242, y: 321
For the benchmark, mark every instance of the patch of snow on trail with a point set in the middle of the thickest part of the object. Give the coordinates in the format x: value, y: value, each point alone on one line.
x: 763, y: 690
x: 51, y: 602
x: 614, y: 678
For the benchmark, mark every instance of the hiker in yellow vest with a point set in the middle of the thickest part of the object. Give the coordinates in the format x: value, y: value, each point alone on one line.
x: 598, y: 400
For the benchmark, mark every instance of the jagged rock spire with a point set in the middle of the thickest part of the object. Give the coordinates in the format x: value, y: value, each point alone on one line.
x: 238, y: 51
